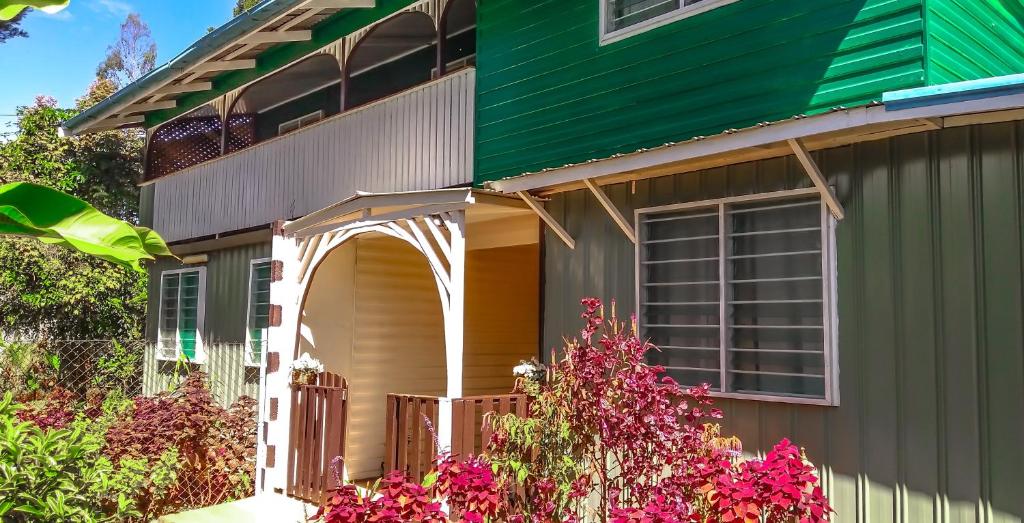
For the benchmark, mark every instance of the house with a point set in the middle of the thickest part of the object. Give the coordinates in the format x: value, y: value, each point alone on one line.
x: 813, y: 206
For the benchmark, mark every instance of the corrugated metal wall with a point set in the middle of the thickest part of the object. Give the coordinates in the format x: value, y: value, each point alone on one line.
x: 229, y: 377
x: 550, y: 94
x: 227, y: 292
x: 931, y: 318
x: 421, y: 139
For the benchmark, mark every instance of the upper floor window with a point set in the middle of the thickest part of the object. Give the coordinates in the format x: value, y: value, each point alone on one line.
x: 622, y: 18
x: 300, y: 122
x: 258, y: 321
x: 182, y: 307
x: 739, y: 293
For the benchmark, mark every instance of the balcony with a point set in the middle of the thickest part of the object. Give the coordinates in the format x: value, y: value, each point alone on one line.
x: 421, y: 138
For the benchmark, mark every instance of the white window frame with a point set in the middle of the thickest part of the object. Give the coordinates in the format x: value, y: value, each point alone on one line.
x: 607, y: 37
x: 200, y: 356
x: 829, y: 280
x: 249, y: 361
x: 319, y: 114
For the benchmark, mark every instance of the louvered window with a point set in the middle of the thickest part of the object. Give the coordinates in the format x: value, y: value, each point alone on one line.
x: 625, y: 17
x: 259, y: 310
x: 737, y: 293
x: 182, y: 296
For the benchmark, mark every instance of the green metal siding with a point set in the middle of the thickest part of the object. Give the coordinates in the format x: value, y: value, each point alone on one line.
x: 972, y: 39
x: 931, y: 307
x: 548, y: 94
x: 228, y: 376
x: 227, y: 292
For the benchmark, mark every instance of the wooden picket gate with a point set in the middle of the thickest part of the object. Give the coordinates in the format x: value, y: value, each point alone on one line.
x: 319, y: 414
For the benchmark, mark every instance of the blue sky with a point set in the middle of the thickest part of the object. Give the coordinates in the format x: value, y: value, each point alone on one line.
x: 60, y: 55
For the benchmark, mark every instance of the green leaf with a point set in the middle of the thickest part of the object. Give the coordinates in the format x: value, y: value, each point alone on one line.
x: 10, y: 8
x: 430, y: 479
x: 28, y: 209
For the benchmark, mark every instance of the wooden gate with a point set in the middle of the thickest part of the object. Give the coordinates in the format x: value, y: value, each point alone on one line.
x: 319, y: 415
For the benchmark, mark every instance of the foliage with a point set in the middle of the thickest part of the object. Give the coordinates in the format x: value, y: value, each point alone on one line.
x: 9, y: 9
x: 191, y: 441
x: 117, y: 367
x: 132, y: 56
x: 51, y: 292
x: 55, y: 412
x: 12, y: 28
x: 242, y: 6
x: 26, y: 371
x: 467, y: 488
x: 54, y: 475
x: 58, y: 218
x: 608, y: 427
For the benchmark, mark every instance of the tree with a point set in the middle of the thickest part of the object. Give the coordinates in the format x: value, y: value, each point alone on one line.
x: 12, y: 28
x: 242, y: 6
x: 132, y: 56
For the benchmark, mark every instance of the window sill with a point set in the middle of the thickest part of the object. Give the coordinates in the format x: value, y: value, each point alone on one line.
x: 821, y: 402
x: 658, y: 21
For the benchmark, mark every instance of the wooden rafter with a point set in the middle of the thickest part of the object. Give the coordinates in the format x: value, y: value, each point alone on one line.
x: 184, y: 88
x: 557, y: 228
x: 804, y: 157
x: 224, y: 65
x: 274, y: 37
x: 611, y: 209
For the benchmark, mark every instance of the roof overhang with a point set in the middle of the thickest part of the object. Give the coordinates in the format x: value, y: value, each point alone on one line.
x: 231, y: 47
x: 915, y: 110
x: 365, y: 209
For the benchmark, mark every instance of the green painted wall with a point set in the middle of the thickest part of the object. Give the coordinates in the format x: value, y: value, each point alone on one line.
x: 971, y: 39
x: 227, y: 292
x: 931, y: 317
x: 548, y: 94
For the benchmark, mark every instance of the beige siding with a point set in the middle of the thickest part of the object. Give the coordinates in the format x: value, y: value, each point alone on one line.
x: 396, y: 340
x: 420, y: 139
x: 502, y: 298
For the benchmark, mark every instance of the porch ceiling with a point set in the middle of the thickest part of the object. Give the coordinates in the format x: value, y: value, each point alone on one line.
x: 364, y: 209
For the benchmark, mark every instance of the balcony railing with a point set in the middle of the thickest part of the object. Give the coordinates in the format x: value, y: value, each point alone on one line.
x: 418, y: 139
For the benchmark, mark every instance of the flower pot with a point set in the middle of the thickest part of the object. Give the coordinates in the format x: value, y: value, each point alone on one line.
x: 303, y: 377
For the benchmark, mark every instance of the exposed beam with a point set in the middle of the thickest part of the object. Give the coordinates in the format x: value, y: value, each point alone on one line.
x: 273, y: 37
x: 153, y: 106
x: 934, y: 123
x: 339, y: 4
x: 548, y: 219
x: 184, y: 88
x: 224, y: 65
x: 117, y: 123
x: 814, y: 173
x: 612, y: 210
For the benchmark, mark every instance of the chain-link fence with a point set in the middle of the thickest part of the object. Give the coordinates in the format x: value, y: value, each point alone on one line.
x: 83, y: 370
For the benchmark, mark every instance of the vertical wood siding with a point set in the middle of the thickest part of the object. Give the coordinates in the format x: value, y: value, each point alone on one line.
x: 971, y: 39
x: 550, y: 94
x: 931, y: 318
x: 420, y: 139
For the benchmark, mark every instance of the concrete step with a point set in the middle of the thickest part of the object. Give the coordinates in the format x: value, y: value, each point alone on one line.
x: 264, y: 508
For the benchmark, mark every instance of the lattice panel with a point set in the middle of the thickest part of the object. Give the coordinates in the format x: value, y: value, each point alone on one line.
x: 241, y: 132
x: 182, y: 143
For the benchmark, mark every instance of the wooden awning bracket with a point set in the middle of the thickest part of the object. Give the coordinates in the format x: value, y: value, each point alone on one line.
x: 549, y: 220
x: 804, y: 157
x: 612, y: 210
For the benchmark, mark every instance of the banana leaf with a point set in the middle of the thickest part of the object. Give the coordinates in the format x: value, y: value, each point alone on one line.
x: 28, y: 209
x: 10, y: 8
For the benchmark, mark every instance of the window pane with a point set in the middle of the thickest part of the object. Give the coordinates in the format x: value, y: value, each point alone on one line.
x: 679, y: 294
x: 259, y: 308
x: 775, y: 308
x: 624, y: 13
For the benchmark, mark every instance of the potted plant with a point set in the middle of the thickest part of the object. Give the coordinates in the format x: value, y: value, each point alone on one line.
x: 305, y: 369
x: 533, y: 372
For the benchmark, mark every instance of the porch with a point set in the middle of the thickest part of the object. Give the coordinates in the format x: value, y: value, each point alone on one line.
x: 422, y: 302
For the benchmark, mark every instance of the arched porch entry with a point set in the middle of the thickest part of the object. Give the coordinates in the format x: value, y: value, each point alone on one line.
x: 427, y: 293
x: 372, y: 314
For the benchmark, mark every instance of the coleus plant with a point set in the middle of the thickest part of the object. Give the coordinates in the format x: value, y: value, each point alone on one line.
x: 611, y: 438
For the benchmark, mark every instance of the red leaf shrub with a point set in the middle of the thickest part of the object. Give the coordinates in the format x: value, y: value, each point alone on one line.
x: 55, y: 411
x: 608, y: 426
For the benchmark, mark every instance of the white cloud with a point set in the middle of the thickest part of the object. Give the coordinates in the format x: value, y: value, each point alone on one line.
x: 116, y: 8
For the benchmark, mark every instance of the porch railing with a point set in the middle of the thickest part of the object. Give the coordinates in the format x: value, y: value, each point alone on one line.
x: 318, y: 436
x: 410, y: 446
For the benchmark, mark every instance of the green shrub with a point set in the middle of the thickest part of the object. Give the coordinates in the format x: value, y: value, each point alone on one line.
x: 26, y: 370
x: 54, y: 475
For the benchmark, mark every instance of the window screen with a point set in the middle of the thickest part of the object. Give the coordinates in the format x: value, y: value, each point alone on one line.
x: 737, y: 295
x: 180, y: 313
x: 621, y: 14
x: 259, y: 310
